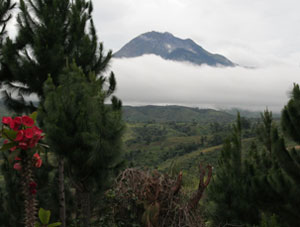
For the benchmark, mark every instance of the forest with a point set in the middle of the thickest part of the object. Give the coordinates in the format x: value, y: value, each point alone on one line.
x: 78, y: 158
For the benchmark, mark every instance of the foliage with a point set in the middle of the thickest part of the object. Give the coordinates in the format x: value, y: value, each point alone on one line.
x: 229, y: 193
x: 5, y: 15
x: 44, y: 218
x: 269, y: 221
x: 22, y: 137
x: 83, y: 130
x: 162, y: 114
x: 50, y: 33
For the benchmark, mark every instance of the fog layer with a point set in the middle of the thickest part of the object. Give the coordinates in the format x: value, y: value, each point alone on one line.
x: 152, y: 80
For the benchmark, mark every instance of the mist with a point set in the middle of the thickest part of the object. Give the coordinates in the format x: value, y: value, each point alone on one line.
x: 151, y: 80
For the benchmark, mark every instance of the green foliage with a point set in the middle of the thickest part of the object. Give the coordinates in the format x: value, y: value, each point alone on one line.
x: 228, y: 193
x: 79, y: 125
x: 84, y: 130
x: 160, y: 114
x: 269, y: 221
x: 50, y: 34
x: 44, y: 217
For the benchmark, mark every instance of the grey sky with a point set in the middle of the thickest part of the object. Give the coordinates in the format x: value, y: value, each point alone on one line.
x: 250, y: 32
x: 259, y: 33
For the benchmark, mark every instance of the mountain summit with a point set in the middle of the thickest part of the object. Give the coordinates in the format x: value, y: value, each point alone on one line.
x: 170, y: 47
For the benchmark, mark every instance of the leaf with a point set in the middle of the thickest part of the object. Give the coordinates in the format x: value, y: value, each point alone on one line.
x: 37, y: 224
x: 33, y: 116
x: 55, y: 224
x: 9, y: 134
x: 44, y: 216
x: 7, y: 146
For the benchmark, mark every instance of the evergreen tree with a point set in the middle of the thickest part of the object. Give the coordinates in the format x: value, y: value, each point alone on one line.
x: 50, y: 33
x: 84, y: 130
x: 5, y: 15
x: 267, y: 180
x: 289, y: 159
x: 229, y: 192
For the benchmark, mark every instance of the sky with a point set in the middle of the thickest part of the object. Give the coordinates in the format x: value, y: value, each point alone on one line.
x: 261, y: 34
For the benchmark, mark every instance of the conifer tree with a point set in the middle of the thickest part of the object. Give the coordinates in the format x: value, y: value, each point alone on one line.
x: 84, y: 130
x: 289, y: 159
x: 50, y: 33
x: 229, y: 191
x: 268, y: 183
x: 6, y: 7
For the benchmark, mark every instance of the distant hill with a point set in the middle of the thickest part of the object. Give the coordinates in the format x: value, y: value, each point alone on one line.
x: 174, y: 114
x: 170, y: 47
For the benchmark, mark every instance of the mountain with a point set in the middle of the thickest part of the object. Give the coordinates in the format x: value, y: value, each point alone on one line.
x: 170, y: 47
x: 174, y: 114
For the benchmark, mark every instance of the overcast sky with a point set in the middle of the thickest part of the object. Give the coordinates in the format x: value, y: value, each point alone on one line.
x: 263, y: 34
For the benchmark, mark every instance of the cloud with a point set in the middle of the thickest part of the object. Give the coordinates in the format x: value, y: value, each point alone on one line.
x: 249, y: 32
x: 152, y: 80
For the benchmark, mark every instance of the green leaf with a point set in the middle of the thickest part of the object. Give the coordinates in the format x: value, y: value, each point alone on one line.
x: 7, y: 146
x: 55, y: 224
x: 44, y: 216
x: 37, y: 224
x: 33, y: 116
x: 9, y: 134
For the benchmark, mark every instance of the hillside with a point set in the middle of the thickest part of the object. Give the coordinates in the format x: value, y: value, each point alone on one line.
x: 174, y: 114
x: 170, y: 47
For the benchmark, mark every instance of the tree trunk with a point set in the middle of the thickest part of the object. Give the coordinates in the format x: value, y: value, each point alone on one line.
x: 61, y: 185
x: 29, y: 193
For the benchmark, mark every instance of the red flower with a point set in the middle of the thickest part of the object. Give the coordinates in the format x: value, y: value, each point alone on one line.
x: 20, y: 135
x: 38, y: 160
x: 12, y: 124
x: 32, y: 188
x: 29, y: 132
x: 13, y: 148
x: 5, y: 141
x: 16, y: 123
x: 38, y: 163
x: 17, y: 166
x: 23, y: 145
x: 37, y: 131
x: 17, y: 158
x: 18, y: 120
x: 27, y: 121
x: 32, y: 184
x: 6, y: 120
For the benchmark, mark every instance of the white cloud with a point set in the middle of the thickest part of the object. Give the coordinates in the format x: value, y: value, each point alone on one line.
x: 152, y: 80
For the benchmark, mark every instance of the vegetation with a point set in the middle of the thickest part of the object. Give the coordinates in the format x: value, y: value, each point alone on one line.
x: 173, y: 166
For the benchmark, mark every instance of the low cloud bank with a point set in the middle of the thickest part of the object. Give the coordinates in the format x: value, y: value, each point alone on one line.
x: 151, y: 80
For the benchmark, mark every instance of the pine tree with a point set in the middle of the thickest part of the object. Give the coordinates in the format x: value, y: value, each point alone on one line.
x: 6, y: 7
x: 84, y: 130
x: 267, y: 180
x: 289, y: 159
x: 50, y: 33
x: 229, y: 192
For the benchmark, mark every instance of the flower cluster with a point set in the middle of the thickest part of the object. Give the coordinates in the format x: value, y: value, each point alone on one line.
x: 26, y: 136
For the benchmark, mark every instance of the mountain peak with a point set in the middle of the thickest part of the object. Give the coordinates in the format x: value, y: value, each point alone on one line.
x: 169, y: 47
